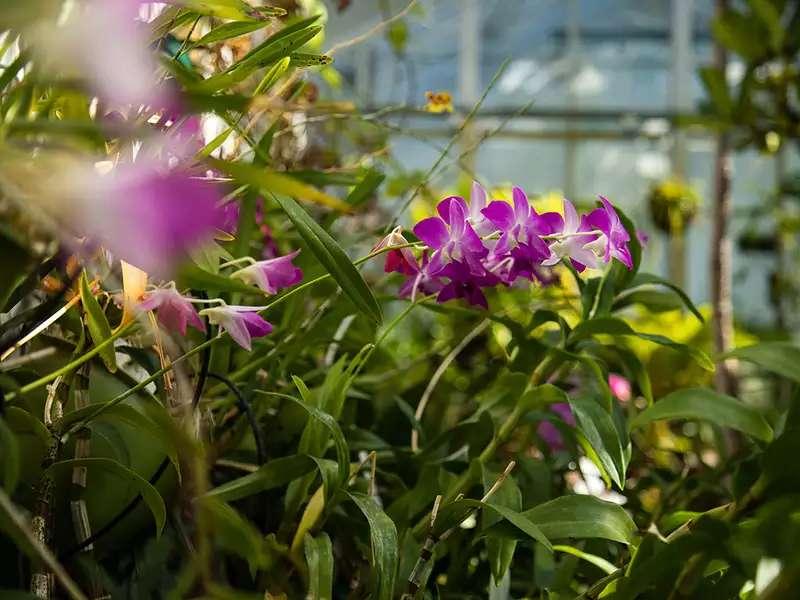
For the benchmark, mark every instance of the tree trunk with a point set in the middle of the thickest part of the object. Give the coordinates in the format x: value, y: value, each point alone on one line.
x: 721, y: 244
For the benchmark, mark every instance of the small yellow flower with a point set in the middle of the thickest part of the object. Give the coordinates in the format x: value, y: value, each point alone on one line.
x: 439, y: 102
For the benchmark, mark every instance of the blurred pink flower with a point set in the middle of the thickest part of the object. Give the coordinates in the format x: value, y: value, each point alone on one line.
x: 620, y: 387
x: 102, y: 42
x: 142, y: 215
x: 174, y: 311
x: 549, y: 432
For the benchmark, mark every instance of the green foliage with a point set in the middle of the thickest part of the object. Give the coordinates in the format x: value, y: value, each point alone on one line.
x: 291, y: 470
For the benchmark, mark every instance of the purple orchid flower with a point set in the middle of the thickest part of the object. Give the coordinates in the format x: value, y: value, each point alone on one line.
x: 549, y: 432
x: 451, y: 236
x: 229, y: 218
x: 465, y: 284
x: 571, y: 237
x: 421, y: 280
x: 613, y: 239
x: 174, y: 311
x: 272, y: 274
x: 242, y: 322
x: 477, y: 204
x: 519, y: 224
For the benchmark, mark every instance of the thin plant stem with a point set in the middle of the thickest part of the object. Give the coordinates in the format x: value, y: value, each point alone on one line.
x: 449, y: 146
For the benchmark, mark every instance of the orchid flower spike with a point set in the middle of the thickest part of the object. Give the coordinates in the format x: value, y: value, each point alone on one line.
x: 272, y: 274
x: 243, y: 323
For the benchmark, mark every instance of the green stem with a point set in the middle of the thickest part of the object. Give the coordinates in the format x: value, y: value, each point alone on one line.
x: 70, y: 366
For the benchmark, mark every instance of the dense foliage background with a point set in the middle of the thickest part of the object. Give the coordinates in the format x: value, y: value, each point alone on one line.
x: 193, y: 408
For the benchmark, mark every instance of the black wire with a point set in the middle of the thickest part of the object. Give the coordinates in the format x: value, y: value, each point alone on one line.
x: 119, y: 516
x: 205, y: 358
x: 247, y: 410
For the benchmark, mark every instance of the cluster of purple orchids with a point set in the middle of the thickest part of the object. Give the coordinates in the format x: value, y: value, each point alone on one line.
x: 474, y: 246
x: 176, y: 311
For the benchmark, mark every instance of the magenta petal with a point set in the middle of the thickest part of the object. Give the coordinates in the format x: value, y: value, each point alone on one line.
x: 500, y: 214
x: 549, y: 223
x: 256, y: 325
x: 521, y: 206
x: 477, y: 199
x: 432, y: 231
x: 444, y: 207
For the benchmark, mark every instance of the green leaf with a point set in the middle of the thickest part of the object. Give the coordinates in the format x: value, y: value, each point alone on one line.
x: 333, y: 258
x: 96, y: 321
x: 601, y: 433
x: 13, y: 269
x: 781, y: 358
x: 508, y: 495
x: 523, y: 523
x: 597, y: 561
x: 740, y: 34
x: 192, y: 276
x: 613, y: 326
x: 703, y: 404
x: 365, y: 188
x: 717, y: 88
x: 230, y: 9
x: 227, y: 31
x: 383, y: 537
x: 275, y: 48
x: 274, y: 474
x: 272, y: 182
x: 339, y: 443
x: 582, y: 517
x: 319, y: 556
x: 646, y: 279
x: 769, y: 16
x: 234, y: 533
x: 149, y: 494
x: 10, y: 453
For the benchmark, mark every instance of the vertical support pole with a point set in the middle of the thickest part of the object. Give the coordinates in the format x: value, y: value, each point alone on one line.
x: 680, y: 101
x: 721, y: 243
x: 573, y: 56
x: 469, y: 71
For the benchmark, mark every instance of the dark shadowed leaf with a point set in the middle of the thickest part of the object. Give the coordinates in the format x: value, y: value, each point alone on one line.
x: 149, y: 494
x: 274, y: 474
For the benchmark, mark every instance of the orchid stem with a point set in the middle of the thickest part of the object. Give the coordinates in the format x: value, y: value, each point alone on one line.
x: 236, y: 261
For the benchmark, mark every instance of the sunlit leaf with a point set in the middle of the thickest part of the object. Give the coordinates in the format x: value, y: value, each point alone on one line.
x: 319, y: 557
x: 97, y: 323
